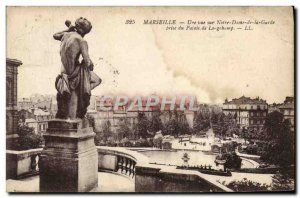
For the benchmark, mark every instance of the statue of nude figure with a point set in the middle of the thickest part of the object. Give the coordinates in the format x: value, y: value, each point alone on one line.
x: 79, y: 78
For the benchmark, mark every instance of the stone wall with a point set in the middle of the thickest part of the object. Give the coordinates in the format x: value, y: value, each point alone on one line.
x: 11, y: 99
x: 153, y: 179
x: 22, y: 163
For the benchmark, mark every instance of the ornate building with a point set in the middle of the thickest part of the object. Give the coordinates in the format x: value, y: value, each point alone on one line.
x: 11, y: 97
x: 287, y: 109
x: 249, y: 113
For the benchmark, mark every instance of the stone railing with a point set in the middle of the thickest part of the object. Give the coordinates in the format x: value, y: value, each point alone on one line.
x: 119, y: 160
x: 20, y: 164
x: 151, y: 177
x: 160, y: 178
x: 130, y: 164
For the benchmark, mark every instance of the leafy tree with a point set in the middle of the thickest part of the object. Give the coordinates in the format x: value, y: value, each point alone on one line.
x: 172, y: 128
x: 214, y: 117
x: 102, y: 136
x: 280, y: 141
x: 156, y: 123
x: 184, y: 128
x: 252, y: 149
x: 28, y: 139
x: 123, y: 129
x: 222, y: 125
x: 201, y: 122
x: 273, y: 125
x: 142, y: 126
x: 233, y: 161
x: 106, y: 130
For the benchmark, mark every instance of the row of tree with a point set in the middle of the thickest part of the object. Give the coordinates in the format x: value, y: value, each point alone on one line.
x: 144, y: 128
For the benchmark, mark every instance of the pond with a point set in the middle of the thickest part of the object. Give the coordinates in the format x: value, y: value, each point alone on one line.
x: 197, y: 158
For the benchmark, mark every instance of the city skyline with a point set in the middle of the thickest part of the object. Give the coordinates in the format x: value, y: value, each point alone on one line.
x: 33, y: 95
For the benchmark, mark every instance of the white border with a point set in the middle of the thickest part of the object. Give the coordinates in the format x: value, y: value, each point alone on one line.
x: 4, y: 3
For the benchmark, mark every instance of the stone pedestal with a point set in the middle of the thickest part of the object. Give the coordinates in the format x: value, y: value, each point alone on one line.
x: 69, y: 160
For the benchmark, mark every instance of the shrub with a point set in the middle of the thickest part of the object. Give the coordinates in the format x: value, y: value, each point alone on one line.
x: 248, y: 186
x: 28, y: 139
x: 283, y: 181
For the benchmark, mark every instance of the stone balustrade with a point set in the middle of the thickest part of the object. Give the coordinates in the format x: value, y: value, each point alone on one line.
x: 20, y: 164
x: 130, y: 164
x: 119, y: 160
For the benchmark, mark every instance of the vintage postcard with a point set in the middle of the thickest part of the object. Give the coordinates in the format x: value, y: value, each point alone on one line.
x: 150, y: 99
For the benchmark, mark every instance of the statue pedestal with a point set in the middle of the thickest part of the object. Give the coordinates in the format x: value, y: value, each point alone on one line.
x: 69, y: 160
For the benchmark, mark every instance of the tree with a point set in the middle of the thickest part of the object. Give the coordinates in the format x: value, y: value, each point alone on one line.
x: 233, y: 161
x: 273, y: 125
x: 201, y: 122
x: 222, y: 125
x: 156, y: 123
x: 214, y: 117
x: 28, y: 139
x: 184, y: 128
x: 142, y: 126
x: 123, y: 129
x: 279, y: 138
x: 102, y: 136
x: 172, y: 128
x: 107, y: 130
x: 244, y: 134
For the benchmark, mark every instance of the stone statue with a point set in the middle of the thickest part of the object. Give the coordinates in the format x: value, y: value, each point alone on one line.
x: 77, y: 79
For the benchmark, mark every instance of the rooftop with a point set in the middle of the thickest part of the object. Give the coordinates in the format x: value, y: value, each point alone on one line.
x: 246, y: 100
x: 287, y: 106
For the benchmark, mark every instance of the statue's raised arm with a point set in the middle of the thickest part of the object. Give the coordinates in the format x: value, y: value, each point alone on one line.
x: 58, y: 36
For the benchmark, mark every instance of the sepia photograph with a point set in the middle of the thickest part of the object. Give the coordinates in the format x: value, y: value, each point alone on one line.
x: 150, y: 99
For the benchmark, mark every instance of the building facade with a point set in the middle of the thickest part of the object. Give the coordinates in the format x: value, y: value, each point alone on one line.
x: 287, y: 109
x: 102, y: 110
x: 11, y: 97
x: 249, y: 113
x: 36, y: 118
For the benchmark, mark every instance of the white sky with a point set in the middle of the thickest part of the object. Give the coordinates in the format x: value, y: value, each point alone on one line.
x: 210, y: 65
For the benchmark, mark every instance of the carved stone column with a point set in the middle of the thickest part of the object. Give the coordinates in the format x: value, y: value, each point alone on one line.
x: 69, y: 160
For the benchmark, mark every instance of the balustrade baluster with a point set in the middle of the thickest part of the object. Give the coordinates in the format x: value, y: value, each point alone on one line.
x: 120, y: 164
x: 37, y: 159
x: 128, y: 167
x: 123, y: 167
x: 133, y: 169
x: 33, y: 163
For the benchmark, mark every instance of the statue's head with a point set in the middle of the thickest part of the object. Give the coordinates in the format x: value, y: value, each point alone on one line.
x: 83, y: 26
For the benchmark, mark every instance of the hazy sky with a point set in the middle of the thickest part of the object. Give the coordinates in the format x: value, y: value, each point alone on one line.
x: 211, y: 65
